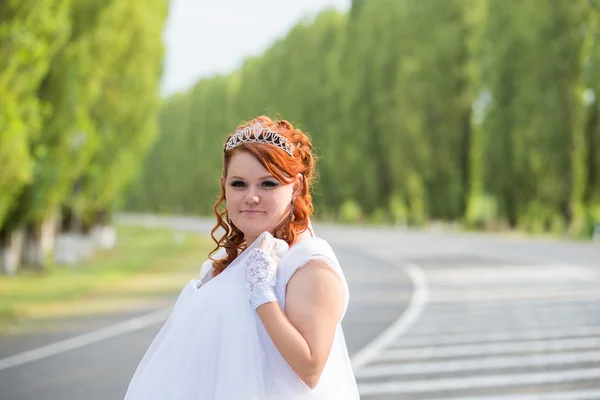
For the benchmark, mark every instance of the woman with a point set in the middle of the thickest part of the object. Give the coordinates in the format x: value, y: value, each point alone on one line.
x: 263, y: 322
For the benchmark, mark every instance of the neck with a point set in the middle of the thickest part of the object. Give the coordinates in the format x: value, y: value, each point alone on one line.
x: 304, y: 235
x: 250, y: 239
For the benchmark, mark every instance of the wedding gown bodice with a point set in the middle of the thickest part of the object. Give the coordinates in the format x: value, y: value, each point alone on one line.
x: 215, y: 347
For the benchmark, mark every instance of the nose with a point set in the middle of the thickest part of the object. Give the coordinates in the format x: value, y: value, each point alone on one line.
x: 252, y: 196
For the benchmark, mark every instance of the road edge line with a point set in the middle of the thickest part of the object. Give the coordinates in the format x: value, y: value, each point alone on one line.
x: 85, y: 339
x: 418, y: 301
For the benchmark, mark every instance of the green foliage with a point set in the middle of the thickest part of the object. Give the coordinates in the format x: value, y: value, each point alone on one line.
x: 79, y: 85
x: 482, y: 211
x: 398, y: 211
x: 31, y: 34
x: 531, y: 67
x: 462, y: 110
x: 458, y: 110
x: 350, y: 212
x: 125, y: 112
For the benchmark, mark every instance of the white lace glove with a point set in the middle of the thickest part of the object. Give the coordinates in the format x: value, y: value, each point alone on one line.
x: 261, y: 270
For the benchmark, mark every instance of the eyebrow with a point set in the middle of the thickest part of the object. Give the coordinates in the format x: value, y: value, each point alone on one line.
x: 260, y: 179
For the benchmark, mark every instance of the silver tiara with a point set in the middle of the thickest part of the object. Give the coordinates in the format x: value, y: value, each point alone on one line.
x: 256, y: 133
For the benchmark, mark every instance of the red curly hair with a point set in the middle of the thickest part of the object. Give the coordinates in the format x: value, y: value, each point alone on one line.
x: 283, y: 168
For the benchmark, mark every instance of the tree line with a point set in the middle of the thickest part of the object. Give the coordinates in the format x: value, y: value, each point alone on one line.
x: 79, y: 99
x: 478, y: 111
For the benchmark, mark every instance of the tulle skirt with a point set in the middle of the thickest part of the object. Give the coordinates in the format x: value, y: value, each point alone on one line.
x: 214, y: 346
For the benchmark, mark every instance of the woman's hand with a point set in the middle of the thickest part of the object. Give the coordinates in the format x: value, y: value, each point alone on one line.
x: 261, y: 272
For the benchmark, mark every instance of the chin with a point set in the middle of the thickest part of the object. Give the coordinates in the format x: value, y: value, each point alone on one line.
x: 254, y: 230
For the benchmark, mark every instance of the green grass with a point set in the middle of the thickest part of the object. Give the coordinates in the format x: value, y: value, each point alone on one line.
x: 145, y: 264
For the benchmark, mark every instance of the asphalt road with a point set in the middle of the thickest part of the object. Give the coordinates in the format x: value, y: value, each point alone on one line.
x: 431, y: 316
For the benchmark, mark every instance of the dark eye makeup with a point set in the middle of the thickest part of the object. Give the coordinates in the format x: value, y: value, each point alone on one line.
x: 238, y: 183
x: 270, y: 183
x: 267, y: 183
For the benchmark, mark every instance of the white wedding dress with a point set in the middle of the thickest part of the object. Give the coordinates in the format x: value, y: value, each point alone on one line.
x: 215, y: 347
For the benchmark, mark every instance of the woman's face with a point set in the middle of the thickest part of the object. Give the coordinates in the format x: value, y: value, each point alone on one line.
x: 256, y: 201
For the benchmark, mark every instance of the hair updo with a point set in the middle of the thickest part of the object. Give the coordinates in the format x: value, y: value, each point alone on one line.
x: 284, y: 168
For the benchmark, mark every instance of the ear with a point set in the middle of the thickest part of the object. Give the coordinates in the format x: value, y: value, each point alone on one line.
x: 298, y: 185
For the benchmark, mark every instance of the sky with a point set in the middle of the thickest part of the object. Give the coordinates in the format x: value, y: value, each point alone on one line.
x: 206, y: 37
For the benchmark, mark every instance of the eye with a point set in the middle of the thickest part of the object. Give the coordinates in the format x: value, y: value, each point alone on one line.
x: 270, y: 184
x: 238, y: 184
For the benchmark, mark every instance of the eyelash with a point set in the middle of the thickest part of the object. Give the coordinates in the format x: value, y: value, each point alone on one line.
x: 240, y: 184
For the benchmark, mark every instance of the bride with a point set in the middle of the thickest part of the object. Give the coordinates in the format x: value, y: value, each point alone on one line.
x: 263, y: 322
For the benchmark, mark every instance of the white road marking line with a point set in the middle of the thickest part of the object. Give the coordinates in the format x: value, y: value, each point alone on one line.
x: 467, y: 295
x: 510, y: 321
x: 477, y: 364
x: 84, y: 339
x: 417, y: 304
x: 507, y: 321
x: 518, y: 307
x: 489, y: 348
x: 558, y: 273
x: 497, y: 336
x: 472, y: 382
x: 516, y: 303
x: 470, y: 314
x: 418, y: 301
x: 586, y: 273
x: 570, y: 395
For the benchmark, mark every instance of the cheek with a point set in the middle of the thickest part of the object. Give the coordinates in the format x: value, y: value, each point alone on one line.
x: 231, y: 197
x: 282, y: 199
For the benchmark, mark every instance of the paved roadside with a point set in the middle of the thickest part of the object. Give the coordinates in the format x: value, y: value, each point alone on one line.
x: 101, y: 370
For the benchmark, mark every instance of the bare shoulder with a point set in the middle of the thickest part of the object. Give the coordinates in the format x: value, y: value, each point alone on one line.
x: 315, y: 273
x: 315, y: 288
x: 315, y: 302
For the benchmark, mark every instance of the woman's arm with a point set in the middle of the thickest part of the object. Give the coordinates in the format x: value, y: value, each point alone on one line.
x: 304, y: 333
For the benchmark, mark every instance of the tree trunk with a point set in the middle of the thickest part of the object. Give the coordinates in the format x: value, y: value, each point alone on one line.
x: 72, y: 245
x: 32, y: 254
x: 68, y: 248
x: 10, y: 251
x: 49, y: 231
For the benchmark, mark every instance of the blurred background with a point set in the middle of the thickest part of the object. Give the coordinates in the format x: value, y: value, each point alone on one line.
x: 482, y: 114
x: 473, y: 115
